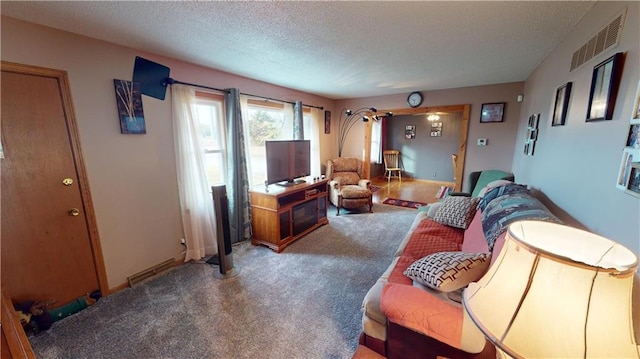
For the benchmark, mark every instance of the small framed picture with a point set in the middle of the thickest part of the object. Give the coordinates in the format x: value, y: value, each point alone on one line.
x: 633, y: 187
x: 533, y: 121
x: 633, y: 139
x: 625, y: 168
x: 492, y: 112
x: 604, y: 88
x: 561, y: 105
x: 635, y: 115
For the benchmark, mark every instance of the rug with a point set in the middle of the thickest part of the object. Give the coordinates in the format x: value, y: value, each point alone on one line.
x: 403, y: 203
x: 374, y: 188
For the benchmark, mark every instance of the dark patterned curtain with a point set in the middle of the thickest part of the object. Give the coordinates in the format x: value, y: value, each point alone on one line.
x: 298, y: 125
x: 237, y: 175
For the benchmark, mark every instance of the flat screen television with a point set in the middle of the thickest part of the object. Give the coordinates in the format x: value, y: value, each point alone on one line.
x: 287, y: 161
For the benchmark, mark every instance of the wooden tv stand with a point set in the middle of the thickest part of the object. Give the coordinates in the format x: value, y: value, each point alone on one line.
x: 281, y: 215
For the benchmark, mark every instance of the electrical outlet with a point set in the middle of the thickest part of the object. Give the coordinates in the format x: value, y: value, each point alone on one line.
x: 183, y: 242
x: 482, y: 141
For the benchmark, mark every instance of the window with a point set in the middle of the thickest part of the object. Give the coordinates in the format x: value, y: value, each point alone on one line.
x: 376, y: 141
x: 212, y: 130
x: 265, y: 121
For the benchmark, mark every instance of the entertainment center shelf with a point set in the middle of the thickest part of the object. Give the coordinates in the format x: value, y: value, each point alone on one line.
x: 281, y: 215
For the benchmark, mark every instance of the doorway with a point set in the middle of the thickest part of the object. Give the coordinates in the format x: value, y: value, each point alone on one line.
x: 464, y: 110
x: 50, y: 245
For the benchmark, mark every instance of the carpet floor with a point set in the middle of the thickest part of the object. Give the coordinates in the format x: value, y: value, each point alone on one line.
x: 302, y: 303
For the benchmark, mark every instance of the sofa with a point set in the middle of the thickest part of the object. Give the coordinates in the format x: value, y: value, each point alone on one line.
x: 414, y: 309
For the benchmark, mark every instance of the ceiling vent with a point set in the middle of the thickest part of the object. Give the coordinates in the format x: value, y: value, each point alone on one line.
x: 606, y: 38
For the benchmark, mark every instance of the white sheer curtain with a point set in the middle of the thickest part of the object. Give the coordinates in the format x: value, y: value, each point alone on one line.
x: 287, y: 116
x: 376, y: 141
x: 198, y: 218
x: 317, y: 118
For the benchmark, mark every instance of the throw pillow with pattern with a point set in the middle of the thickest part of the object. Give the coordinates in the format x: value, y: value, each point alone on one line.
x: 456, y: 211
x: 449, y: 271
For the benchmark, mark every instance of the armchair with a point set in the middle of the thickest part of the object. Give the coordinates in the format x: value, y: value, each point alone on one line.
x: 347, y: 188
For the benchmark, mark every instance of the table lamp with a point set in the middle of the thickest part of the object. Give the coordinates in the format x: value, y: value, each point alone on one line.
x: 556, y: 292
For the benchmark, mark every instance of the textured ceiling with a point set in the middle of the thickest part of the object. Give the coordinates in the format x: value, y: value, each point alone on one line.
x: 333, y: 49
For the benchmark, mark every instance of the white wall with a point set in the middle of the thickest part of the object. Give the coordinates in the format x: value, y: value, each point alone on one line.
x: 576, y: 165
x: 132, y: 177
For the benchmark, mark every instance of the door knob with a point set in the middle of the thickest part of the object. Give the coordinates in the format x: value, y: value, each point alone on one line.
x: 67, y: 181
x: 74, y: 212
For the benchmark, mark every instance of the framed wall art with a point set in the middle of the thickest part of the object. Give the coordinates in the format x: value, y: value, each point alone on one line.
x: 635, y: 115
x: 633, y: 139
x: 327, y: 122
x: 604, y: 88
x: 625, y: 168
x: 129, y: 101
x: 492, y: 112
x: 563, y: 93
x: 633, y: 186
x: 410, y: 132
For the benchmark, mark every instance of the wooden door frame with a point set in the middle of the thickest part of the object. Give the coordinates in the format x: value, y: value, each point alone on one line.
x: 74, y: 139
x: 462, y: 143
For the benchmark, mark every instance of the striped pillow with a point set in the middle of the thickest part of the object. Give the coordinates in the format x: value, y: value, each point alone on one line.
x: 449, y: 271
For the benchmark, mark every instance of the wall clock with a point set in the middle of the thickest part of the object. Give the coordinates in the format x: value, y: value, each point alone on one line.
x: 414, y: 99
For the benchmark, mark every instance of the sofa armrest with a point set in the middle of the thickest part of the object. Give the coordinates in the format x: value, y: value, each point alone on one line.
x: 461, y: 194
x: 365, y: 183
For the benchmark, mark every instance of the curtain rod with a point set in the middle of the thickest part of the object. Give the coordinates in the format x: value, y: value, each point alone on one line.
x: 170, y: 81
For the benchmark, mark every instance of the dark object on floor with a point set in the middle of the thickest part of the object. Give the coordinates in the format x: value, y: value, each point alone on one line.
x: 76, y: 306
x: 35, y: 316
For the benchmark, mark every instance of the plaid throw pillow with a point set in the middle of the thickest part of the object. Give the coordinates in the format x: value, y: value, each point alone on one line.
x: 448, y: 271
x: 456, y: 211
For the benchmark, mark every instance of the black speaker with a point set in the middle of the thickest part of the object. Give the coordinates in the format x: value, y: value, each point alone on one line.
x: 225, y: 255
x: 152, y: 77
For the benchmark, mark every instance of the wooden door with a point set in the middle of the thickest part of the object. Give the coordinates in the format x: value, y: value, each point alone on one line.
x: 49, y: 238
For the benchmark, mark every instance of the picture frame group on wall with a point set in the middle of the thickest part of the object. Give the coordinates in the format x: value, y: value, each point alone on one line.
x: 604, y: 88
x: 629, y: 173
x: 492, y: 112
x: 436, y: 129
x: 410, y: 132
x: 563, y: 93
x: 532, y: 134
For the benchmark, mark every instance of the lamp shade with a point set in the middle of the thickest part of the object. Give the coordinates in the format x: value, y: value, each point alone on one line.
x: 557, y: 292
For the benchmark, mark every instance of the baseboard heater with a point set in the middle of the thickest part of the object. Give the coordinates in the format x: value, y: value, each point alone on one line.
x: 150, y: 272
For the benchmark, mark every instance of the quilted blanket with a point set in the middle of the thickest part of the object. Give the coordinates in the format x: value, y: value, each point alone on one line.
x: 507, y: 204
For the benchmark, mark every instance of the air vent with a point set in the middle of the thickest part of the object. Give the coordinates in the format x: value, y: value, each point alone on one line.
x: 605, y: 39
x: 150, y: 272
